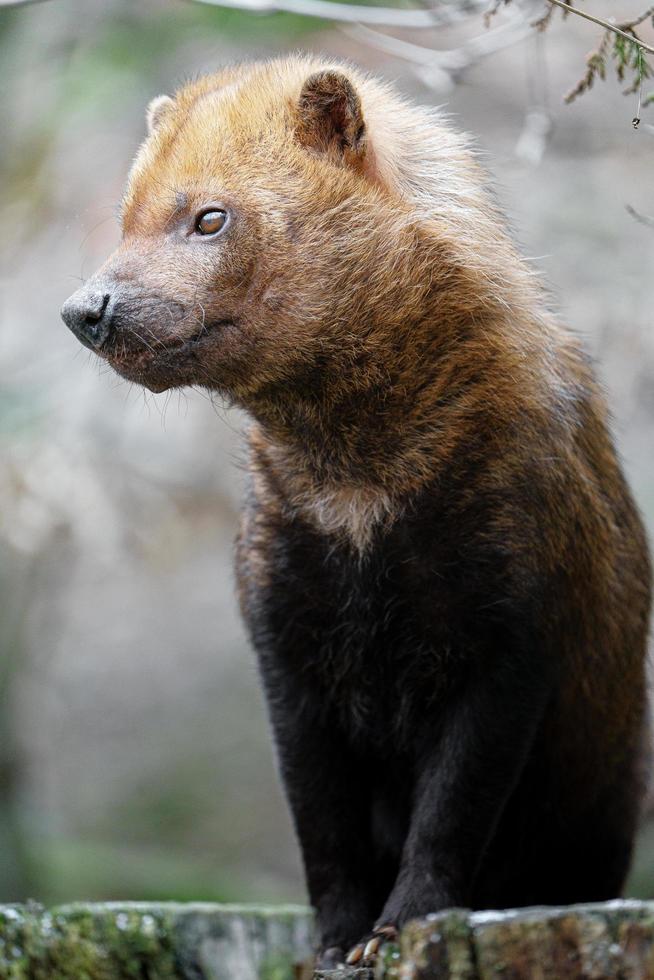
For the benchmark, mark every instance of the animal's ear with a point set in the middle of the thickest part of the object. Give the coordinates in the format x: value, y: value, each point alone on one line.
x: 157, y: 110
x: 330, y: 118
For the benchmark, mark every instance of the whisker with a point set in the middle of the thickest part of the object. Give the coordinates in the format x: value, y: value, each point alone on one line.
x: 95, y: 227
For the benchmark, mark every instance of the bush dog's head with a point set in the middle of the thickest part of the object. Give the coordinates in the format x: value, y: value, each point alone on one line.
x: 238, y: 222
x: 284, y: 226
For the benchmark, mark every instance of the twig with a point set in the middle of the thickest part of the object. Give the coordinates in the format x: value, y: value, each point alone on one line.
x: 643, y: 219
x: 630, y: 24
x: 608, y: 26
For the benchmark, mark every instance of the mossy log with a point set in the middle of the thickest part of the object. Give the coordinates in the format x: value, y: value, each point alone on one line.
x: 201, y: 941
x: 143, y: 941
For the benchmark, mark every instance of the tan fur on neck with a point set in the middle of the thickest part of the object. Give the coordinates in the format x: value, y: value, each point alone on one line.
x: 342, y: 509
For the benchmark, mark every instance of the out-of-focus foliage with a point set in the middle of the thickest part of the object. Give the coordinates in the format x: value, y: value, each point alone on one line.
x: 624, y: 51
x: 629, y: 62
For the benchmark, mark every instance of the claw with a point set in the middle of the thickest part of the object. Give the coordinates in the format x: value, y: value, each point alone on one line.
x: 372, y: 947
x: 366, y: 952
x: 354, y: 955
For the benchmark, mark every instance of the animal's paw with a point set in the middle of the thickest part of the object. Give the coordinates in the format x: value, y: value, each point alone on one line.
x: 330, y: 959
x: 365, y: 952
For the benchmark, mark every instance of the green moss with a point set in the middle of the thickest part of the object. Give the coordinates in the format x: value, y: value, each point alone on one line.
x: 105, y: 945
x: 135, y: 941
x: 20, y: 941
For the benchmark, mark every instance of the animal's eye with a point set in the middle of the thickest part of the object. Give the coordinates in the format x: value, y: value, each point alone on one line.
x: 210, y: 222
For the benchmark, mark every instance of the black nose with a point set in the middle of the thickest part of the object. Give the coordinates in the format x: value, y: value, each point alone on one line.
x: 88, y: 313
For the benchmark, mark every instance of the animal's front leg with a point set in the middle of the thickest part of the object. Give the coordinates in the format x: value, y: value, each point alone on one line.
x: 329, y: 798
x: 464, y: 778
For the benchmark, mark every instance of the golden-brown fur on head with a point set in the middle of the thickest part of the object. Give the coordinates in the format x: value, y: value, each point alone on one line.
x: 364, y: 300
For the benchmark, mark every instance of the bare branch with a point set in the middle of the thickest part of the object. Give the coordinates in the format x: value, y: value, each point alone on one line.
x: 358, y: 14
x: 643, y: 219
x: 538, y: 122
x: 440, y: 68
x: 630, y: 24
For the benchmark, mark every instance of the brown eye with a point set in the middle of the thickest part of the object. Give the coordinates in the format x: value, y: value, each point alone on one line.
x: 210, y: 222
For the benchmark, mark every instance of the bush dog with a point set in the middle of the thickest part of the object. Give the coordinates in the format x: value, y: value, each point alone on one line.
x: 440, y: 565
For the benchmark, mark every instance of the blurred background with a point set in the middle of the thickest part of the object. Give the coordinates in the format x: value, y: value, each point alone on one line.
x: 135, y: 760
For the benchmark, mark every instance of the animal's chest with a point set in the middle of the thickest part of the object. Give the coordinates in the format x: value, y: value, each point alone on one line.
x: 371, y: 641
